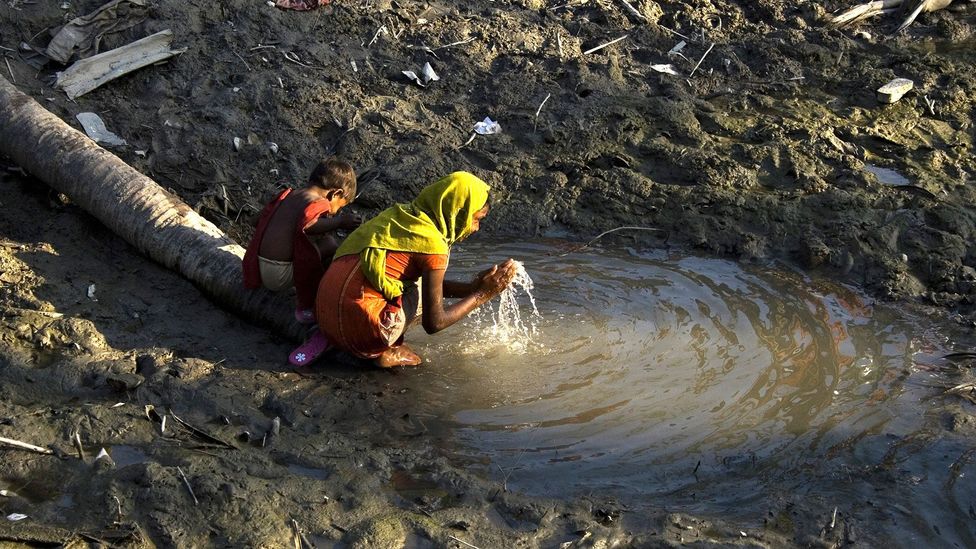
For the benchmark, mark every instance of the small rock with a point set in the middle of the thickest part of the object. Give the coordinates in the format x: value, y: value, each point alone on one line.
x: 103, y: 460
x: 894, y: 90
x: 121, y: 381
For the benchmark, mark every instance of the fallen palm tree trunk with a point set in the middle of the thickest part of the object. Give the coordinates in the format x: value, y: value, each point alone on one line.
x: 132, y: 205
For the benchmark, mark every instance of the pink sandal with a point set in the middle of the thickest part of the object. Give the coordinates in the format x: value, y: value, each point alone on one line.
x: 309, y: 351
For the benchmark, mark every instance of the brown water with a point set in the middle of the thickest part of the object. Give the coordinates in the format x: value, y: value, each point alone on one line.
x: 708, y: 386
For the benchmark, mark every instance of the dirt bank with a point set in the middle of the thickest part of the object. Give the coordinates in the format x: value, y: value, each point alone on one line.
x: 765, y: 152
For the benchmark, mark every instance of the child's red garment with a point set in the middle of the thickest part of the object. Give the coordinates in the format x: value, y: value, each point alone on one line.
x: 305, y: 256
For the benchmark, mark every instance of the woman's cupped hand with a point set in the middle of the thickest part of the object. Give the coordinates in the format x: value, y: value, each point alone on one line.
x: 493, y: 280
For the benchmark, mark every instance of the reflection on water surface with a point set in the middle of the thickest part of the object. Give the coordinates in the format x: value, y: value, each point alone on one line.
x: 720, y: 386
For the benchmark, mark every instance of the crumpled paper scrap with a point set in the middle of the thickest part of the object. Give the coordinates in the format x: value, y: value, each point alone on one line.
x: 487, y: 127
x: 428, y: 75
x: 95, y: 129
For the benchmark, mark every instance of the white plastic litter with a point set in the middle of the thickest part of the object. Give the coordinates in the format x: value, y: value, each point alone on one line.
x: 487, y: 127
x: 96, y: 130
x: 666, y: 69
x: 14, y: 517
x: 429, y: 74
x: 91, y: 292
x: 413, y: 76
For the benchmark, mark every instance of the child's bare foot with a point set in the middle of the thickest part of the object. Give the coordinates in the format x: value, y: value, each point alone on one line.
x: 398, y: 356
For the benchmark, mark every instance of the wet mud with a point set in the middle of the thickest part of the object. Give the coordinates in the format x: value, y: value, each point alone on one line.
x: 775, y: 148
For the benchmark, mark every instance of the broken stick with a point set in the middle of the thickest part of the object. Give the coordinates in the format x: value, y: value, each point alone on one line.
x: 537, y: 111
x: 702, y: 59
x: 601, y: 46
x: 190, y: 489
x: 25, y: 446
x: 633, y: 11
x: 78, y: 446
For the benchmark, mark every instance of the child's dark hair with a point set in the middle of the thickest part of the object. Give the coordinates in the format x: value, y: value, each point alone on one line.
x: 335, y: 174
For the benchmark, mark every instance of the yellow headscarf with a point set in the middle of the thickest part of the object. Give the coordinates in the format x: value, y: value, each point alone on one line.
x: 441, y: 215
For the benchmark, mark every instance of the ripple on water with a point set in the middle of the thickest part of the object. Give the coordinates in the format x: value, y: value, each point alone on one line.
x: 643, y: 366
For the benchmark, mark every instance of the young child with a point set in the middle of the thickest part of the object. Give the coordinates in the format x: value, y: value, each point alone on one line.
x: 293, y: 242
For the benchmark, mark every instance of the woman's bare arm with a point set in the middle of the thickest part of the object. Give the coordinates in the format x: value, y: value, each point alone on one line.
x: 489, y: 283
x: 454, y: 288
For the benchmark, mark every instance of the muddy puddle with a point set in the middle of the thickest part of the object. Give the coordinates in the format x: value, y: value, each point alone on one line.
x: 717, y: 387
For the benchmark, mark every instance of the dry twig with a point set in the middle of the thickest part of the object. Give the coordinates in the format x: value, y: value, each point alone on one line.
x: 462, y: 542
x: 702, y: 59
x: 25, y: 446
x: 633, y: 11
x: 604, y: 233
x: 601, y: 46
x: 248, y: 67
x: 188, y: 487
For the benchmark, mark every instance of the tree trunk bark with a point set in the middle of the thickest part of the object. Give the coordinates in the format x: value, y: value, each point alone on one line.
x: 132, y: 205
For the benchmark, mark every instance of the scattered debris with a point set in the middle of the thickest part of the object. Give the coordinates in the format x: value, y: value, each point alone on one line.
x: 103, y: 459
x: 604, y: 233
x: 428, y: 75
x: 238, y: 142
x: 25, y: 446
x: 487, y: 127
x: 273, y: 147
x: 201, y: 434
x: 82, y: 35
x: 965, y: 390
x: 539, y: 110
x: 605, y: 44
x: 78, y: 446
x: 379, y: 31
x: 666, y: 69
x: 879, y: 7
x: 91, y: 292
x: 702, y: 59
x: 633, y: 11
x: 95, y: 129
x: 14, y: 517
x: 188, y: 487
x: 300, y: 5
x: 462, y: 542
x: 676, y: 50
x: 894, y: 90
x: 88, y: 74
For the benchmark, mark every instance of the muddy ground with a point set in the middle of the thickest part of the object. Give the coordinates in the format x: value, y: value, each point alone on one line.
x: 762, y: 153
